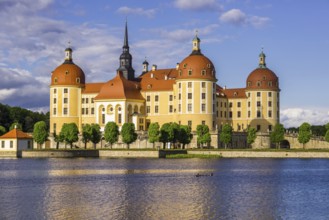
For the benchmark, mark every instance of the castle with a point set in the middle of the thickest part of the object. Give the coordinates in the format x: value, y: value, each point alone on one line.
x: 187, y: 94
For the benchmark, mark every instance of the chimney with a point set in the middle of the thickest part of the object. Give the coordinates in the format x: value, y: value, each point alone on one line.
x: 154, y: 67
x: 177, y: 66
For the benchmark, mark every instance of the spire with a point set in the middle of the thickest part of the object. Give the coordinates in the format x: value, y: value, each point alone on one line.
x: 196, y: 44
x: 125, y: 43
x: 126, y: 58
x: 262, y: 56
x: 68, y: 53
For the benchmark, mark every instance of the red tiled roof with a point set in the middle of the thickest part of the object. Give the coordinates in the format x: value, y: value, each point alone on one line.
x: 237, y: 93
x: 92, y: 87
x: 16, y: 134
x: 158, y: 80
x: 120, y: 88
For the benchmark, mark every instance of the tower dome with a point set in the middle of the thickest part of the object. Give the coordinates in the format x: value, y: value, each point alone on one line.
x: 262, y: 77
x: 196, y: 65
x: 68, y: 73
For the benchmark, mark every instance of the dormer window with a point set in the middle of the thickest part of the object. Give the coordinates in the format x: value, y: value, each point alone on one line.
x: 270, y: 83
x: 185, y: 65
x: 55, y: 80
x: 189, y: 72
x: 209, y: 65
x: 149, y: 86
x: 258, y: 83
x: 249, y: 84
x: 235, y: 94
x: 78, y: 80
x: 203, y: 72
x: 180, y: 72
x: 66, y: 72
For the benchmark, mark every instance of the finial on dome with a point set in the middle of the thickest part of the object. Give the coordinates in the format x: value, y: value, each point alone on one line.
x: 68, y: 53
x: 196, y: 44
x: 262, y: 56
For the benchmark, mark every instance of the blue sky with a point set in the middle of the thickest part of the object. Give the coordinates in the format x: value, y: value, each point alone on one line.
x: 294, y: 35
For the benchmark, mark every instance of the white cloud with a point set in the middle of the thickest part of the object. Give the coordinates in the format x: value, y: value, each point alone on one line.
x: 198, y: 4
x: 239, y: 18
x: 294, y: 117
x: 138, y: 11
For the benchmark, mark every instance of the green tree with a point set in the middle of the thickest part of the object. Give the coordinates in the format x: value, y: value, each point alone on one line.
x: 154, y: 133
x: 2, y: 130
x: 166, y: 134
x: 128, y: 133
x: 175, y: 131
x: 111, y: 133
x: 251, y: 135
x: 58, y: 138
x: 15, y: 124
x: 86, y: 134
x: 277, y: 135
x: 96, y: 134
x: 185, y: 135
x: 70, y: 133
x: 203, y: 135
x: 226, y: 134
x: 304, y: 133
x: 40, y: 133
x: 326, y: 137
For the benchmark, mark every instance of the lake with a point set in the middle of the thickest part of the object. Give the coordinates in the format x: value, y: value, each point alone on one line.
x: 164, y: 189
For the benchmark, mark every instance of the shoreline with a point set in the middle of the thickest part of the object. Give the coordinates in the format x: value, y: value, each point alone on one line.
x: 151, y: 153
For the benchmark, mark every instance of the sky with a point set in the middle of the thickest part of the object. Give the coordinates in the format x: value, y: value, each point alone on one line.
x: 294, y: 36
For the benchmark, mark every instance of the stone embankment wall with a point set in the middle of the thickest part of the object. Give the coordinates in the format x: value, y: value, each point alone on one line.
x: 314, y: 143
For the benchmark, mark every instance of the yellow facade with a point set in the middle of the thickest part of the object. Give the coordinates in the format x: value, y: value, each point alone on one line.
x: 188, y: 95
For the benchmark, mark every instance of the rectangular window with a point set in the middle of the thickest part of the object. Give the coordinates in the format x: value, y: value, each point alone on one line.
x: 248, y: 104
x: 189, y: 95
x: 156, y: 109
x: 55, y: 91
x: 270, y: 128
x: 189, y: 107
x: 203, y: 107
x: 258, y: 127
x: 103, y: 118
x: 189, y: 85
x: 269, y: 94
x: 170, y: 108
x: 221, y: 114
x: 11, y: 144
x: 86, y: 111
x: 225, y: 114
x: 119, y: 118
x: 249, y: 114
x: 203, y: 122
x: 230, y: 114
x: 203, y: 85
x: 230, y: 104
x: 258, y: 114
x: 55, y: 100
x: 189, y: 123
x: 65, y: 90
x: 83, y: 111
x: 83, y: 100
x: 92, y: 111
x: 156, y: 98
x: 179, y: 96
x: 258, y: 94
x: 269, y: 103
x: 54, y: 127
x: 92, y: 100
x: 54, y: 111
x: 170, y: 97
x: 203, y: 95
x: 65, y: 111
x: 224, y: 104
x: 239, y: 104
x: 258, y: 103
x: 270, y: 114
x: 221, y: 104
x: 65, y: 100
x: 179, y: 85
x: 148, y: 98
x: 148, y: 109
x: 2, y: 144
x: 239, y: 114
x: 87, y: 100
